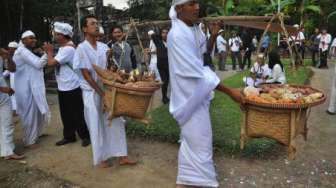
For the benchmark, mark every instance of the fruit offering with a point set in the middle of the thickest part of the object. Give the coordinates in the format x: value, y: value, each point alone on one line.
x: 133, y: 79
x: 283, y: 94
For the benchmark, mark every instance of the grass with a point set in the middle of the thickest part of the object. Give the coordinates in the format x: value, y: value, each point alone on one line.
x: 225, y: 116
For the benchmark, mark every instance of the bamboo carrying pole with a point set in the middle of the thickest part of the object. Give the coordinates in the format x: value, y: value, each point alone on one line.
x: 211, y: 19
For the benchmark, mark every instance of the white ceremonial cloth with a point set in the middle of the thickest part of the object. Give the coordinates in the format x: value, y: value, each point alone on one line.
x: 107, y: 140
x: 6, y: 124
x: 30, y: 93
x: 191, y: 87
x: 332, y: 102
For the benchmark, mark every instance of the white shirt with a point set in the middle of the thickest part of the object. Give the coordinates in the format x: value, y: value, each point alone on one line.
x: 333, y: 43
x: 4, y: 97
x: 235, y: 43
x: 152, y: 49
x: 221, y: 44
x: 67, y: 79
x: 298, y: 38
x: 261, y: 70
x: 325, y: 41
x: 277, y: 75
x: 255, y: 42
x: 85, y: 56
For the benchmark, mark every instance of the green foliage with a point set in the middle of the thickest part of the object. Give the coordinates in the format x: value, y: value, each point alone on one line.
x: 225, y: 116
x: 36, y: 16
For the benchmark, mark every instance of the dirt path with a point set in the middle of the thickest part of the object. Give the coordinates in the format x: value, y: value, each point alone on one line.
x: 314, y: 166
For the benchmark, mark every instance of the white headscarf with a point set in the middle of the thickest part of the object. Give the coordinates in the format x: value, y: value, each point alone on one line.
x: 172, y: 11
x: 27, y: 34
x: 63, y: 28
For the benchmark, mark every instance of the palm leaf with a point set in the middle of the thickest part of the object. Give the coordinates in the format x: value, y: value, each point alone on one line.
x: 331, y: 15
x: 314, y: 8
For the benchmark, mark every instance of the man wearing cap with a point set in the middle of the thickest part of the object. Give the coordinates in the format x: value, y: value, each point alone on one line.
x: 221, y: 46
x: 69, y: 92
x: 191, y: 87
x: 12, y: 46
x: 108, y: 139
x: 235, y: 44
x: 325, y: 40
x: 298, y: 41
x: 32, y: 106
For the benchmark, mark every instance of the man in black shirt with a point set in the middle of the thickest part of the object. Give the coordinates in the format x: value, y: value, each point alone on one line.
x: 162, y: 61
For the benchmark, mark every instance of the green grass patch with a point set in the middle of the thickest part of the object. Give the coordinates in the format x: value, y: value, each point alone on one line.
x: 225, y: 116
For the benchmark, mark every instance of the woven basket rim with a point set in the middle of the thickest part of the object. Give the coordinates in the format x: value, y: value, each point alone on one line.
x: 141, y: 89
x: 289, y: 105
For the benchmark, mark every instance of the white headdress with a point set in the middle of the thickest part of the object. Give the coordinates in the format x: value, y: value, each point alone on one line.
x: 172, y: 11
x: 63, y: 28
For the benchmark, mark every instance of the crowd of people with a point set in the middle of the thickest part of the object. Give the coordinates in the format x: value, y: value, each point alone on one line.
x: 180, y: 57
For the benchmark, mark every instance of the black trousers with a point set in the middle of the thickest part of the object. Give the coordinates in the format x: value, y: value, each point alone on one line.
x: 324, y: 58
x: 72, y: 114
x: 236, y: 56
x: 247, y: 57
x: 164, y: 74
x: 315, y: 54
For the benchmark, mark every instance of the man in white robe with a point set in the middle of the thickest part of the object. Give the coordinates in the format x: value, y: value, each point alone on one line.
x: 332, y: 103
x: 191, y: 87
x: 108, y: 140
x: 12, y: 46
x: 32, y: 106
x: 6, y: 125
x: 153, y: 65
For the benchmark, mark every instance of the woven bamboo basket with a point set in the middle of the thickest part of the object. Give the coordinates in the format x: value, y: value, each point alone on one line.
x: 128, y: 102
x: 123, y: 100
x: 281, y: 122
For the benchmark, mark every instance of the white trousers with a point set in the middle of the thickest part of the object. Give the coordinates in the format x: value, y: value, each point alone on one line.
x: 6, y: 130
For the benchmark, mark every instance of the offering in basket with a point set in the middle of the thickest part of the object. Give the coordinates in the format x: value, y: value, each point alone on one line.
x: 290, y: 95
x: 279, y: 112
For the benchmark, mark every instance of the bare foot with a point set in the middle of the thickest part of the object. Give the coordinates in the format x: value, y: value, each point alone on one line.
x: 15, y: 157
x: 104, y: 164
x: 32, y: 146
x: 126, y: 161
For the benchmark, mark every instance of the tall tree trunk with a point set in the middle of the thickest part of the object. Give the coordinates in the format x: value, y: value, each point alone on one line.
x: 21, y: 15
x: 9, y: 25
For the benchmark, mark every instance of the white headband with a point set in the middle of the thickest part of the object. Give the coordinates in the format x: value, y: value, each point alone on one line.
x: 27, y: 34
